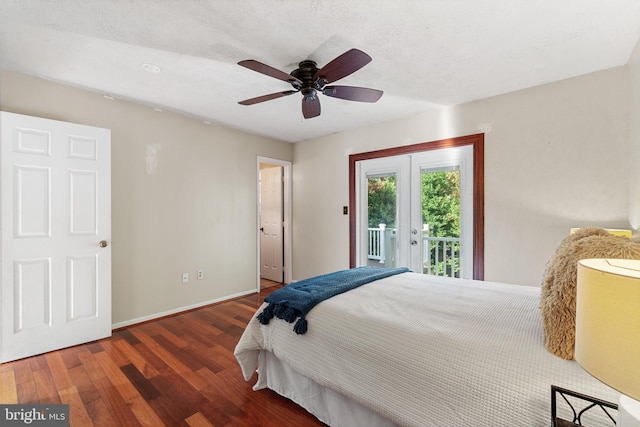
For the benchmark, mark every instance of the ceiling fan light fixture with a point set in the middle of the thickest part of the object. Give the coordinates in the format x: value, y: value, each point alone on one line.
x: 309, y: 94
x: 309, y: 80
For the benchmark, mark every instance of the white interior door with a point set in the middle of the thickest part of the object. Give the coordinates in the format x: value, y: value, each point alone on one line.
x: 271, y: 224
x: 56, y: 230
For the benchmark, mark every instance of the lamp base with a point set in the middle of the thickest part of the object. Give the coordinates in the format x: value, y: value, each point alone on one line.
x: 628, y: 412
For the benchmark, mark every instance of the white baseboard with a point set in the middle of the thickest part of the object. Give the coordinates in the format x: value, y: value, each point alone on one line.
x: 178, y: 310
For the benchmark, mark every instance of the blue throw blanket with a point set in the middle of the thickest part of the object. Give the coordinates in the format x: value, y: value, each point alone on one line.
x: 297, y: 299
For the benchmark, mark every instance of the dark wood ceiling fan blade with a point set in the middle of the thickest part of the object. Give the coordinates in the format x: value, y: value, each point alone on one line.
x: 311, y: 107
x: 267, y: 97
x: 268, y: 70
x: 353, y: 93
x: 345, y: 64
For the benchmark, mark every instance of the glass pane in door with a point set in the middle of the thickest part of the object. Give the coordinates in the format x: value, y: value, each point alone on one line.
x: 440, y: 203
x: 382, y: 220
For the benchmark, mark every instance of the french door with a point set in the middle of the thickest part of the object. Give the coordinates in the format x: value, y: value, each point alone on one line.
x: 417, y: 210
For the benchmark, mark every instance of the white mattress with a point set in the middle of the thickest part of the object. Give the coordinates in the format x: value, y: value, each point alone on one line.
x: 426, y: 351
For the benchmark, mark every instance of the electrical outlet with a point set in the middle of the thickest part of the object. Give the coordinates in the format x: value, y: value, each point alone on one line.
x: 200, y: 274
x: 185, y: 277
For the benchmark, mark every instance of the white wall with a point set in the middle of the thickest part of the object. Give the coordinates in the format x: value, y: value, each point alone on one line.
x: 555, y: 158
x: 198, y: 211
x: 633, y: 69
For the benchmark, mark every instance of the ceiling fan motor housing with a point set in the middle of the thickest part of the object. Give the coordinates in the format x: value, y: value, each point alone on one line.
x: 305, y: 73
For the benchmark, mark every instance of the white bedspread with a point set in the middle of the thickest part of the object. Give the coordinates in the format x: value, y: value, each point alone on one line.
x: 426, y: 351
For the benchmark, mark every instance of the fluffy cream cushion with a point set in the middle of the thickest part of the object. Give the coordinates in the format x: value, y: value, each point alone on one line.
x: 558, y: 295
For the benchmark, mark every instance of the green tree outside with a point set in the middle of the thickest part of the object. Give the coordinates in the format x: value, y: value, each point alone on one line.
x: 441, y: 203
x: 440, y: 208
x: 441, y: 211
x: 382, y: 201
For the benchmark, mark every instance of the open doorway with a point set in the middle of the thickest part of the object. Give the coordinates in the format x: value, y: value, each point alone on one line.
x: 273, y: 222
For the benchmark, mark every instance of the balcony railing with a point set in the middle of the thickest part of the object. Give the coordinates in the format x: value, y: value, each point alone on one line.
x: 440, y: 255
x: 377, y: 237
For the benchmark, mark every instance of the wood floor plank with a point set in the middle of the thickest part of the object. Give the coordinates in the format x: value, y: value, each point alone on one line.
x: 27, y: 392
x: 37, y: 362
x: 226, y: 384
x: 114, y: 353
x: 165, y: 330
x: 110, y: 405
x: 58, y: 370
x: 208, y: 355
x: 138, y: 360
x: 205, y: 317
x: 198, y: 420
x: 202, y: 341
x: 140, y: 408
x: 170, y: 359
x: 8, y: 387
x: 142, y: 384
x: 191, y: 329
x: 150, y: 358
x: 84, y: 385
x: 45, y: 386
x: 175, y: 371
x: 92, y: 366
x: 179, y: 398
x: 22, y: 370
x: 78, y: 415
x: 127, y: 336
x: 187, y: 358
x: 239, y: 311
x: 170, y: 411
x: 102, y: 416
x: 70, y: 356
x: 115, y: 404
x: 95, y: 347
x: 221, y: 413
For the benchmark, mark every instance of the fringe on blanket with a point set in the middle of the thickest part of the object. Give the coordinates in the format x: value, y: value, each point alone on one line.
x: 283, y: 312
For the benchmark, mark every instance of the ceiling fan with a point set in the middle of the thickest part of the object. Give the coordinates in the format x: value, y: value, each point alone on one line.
x: 309, y: 80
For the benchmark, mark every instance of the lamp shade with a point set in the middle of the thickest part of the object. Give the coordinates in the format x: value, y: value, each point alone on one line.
x: 608, y: 322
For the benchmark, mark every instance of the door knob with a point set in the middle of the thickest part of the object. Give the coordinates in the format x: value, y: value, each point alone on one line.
x: 414, y: 242
x: 103, y: 243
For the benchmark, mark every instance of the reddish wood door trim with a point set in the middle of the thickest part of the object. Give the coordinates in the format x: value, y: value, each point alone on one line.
x: 477, y: 140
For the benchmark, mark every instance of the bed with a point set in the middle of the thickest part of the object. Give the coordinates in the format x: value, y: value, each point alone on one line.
x: 417, y: 350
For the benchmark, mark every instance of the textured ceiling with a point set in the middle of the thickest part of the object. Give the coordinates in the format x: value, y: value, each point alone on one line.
x: 425, y: 53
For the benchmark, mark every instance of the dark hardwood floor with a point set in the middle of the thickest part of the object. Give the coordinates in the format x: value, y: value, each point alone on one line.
x: 266, y: 283
x: 175, y: 371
